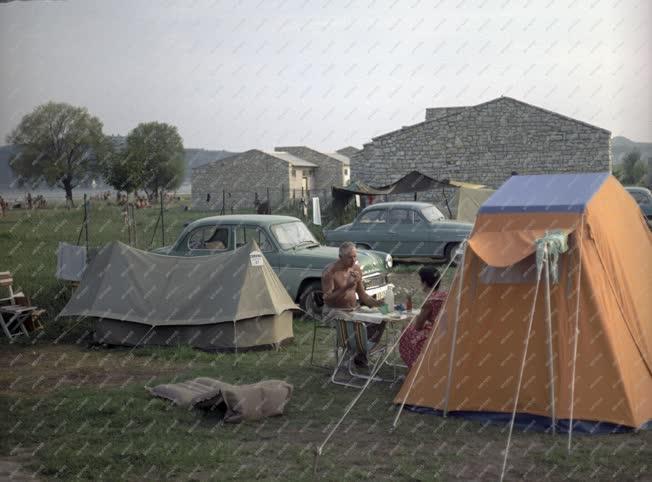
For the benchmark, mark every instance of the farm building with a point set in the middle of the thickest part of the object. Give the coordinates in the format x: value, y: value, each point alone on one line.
x: 284, y: 174
x: 484, y: 144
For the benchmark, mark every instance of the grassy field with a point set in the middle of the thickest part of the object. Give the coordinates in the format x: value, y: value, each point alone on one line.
x: 75, y: 411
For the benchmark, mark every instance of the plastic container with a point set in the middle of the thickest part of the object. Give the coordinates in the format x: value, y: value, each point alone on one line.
x: 389, y: 297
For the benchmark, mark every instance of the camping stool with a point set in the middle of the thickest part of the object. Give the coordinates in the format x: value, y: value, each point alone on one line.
x: 352, y: 339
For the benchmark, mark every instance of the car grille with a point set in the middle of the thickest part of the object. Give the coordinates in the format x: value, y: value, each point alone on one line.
x: 374, y: 281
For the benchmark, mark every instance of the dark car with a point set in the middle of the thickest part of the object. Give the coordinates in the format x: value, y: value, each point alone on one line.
x: 404, y: 229
x: 643, y: 198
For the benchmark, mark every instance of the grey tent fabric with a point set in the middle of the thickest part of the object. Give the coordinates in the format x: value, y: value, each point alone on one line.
x: 71, y: 261
x: 235, y: 298
x: 238, y: 402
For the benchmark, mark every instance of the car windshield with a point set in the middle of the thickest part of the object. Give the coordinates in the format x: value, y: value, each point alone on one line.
x: 293, y: 235
x: 432, y: 214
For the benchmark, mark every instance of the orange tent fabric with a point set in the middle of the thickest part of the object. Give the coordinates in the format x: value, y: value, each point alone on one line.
x: 611, y: 245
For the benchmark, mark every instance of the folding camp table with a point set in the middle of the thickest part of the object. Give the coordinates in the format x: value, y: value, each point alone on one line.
x: 351, y: 338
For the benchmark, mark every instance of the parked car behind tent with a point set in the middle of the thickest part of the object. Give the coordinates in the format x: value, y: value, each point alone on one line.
x: 643, y: 198
x: 232, y: 300
x: 600, y: 341
x: 403, y: 229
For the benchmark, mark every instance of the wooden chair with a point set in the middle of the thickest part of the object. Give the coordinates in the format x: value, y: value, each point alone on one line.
x: 16, y: 312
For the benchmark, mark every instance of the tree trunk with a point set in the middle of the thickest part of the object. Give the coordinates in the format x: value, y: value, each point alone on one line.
x: 67, y: 185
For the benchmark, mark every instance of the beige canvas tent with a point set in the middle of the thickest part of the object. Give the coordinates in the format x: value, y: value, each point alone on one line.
x: 225, y: 301
x: 469, y: 200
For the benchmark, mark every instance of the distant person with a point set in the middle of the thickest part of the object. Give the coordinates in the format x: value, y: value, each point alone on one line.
x: 340, y: 283
x: 416, y: 334
x: 30, y: 204
x: 2, y: 207
x: 208, y: 198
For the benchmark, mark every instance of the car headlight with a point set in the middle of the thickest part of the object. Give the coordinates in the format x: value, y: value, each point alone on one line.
x: 389, y: 262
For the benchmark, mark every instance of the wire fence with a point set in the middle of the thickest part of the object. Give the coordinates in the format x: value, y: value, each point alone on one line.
x: 147, y: 224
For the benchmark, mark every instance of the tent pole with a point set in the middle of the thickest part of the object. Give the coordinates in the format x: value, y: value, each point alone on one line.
x: 235, y: 337
x: 460, y: 287
x: 577, y: 331
x: 520, y: 375
x: 551, y: 370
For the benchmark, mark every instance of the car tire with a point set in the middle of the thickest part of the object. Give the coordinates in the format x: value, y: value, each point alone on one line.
x: 311, y: 300
x: 449, y: 253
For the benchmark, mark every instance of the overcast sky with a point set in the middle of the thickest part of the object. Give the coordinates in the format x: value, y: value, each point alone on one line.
x: 233, y: 74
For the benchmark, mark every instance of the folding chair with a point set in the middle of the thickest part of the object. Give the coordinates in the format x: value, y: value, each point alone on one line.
x: 16, y: 311
x: 351, y: 340
x: 319, y: 322
x: 7, y: 281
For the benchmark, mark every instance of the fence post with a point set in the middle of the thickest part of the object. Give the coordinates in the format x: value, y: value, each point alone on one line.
x: 133, y: 217
x: 223, y: 203
x: 86, y: 220
x: 269, y: 203
x: 162, y: 221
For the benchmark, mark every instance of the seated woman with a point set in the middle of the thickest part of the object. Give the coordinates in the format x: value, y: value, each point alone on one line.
x: 416, y: 334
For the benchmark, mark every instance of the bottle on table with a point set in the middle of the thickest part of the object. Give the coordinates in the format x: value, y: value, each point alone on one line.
x: 408, y: 303
x: 389, y: 298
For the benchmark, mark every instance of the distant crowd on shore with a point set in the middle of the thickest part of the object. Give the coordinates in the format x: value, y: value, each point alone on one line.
x: 122, y: 199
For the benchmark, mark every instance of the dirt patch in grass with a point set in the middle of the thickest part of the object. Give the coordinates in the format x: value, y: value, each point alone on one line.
x: 13, y: 467
x: 99, y: 421
x: 44, y: 368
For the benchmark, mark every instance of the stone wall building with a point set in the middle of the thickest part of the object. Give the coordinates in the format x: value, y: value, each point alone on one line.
x: 286, y: 173
x: 484, y: 144
x: 333, y: 168
x: 236, y: 180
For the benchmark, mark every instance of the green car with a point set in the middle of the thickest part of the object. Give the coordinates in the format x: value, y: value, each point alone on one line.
x: 404, y: 229
x: 289, y: 246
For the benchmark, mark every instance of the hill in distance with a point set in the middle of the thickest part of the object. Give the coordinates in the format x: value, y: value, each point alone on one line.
x: 620, y: 146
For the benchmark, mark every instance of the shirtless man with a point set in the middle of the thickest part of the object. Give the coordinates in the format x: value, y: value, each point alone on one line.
x: 340, y: 282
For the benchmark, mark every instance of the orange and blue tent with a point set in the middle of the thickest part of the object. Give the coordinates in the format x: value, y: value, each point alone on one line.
x: 564, y: 342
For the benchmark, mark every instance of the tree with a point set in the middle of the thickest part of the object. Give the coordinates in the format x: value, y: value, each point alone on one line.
x: 155, y: 157
x: 120, y: 171
x: 633, y: 169
x: 60, y: 144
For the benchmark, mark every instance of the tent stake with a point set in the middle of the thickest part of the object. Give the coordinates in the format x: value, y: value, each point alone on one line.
x: 520, y: 375
x: 551, y: 370
x: 454, y: 340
